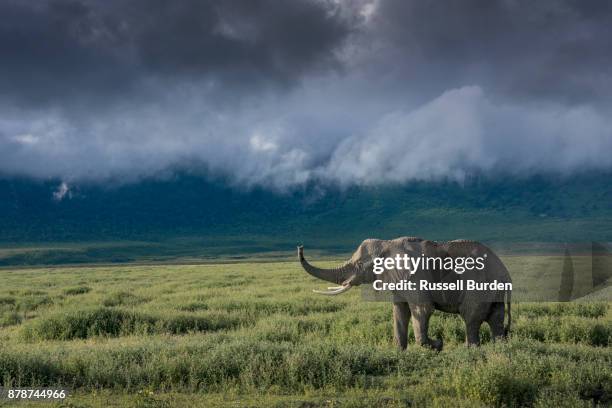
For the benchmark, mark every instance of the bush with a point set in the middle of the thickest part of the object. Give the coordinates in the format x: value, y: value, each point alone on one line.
x: 86, y: 323
x: 498, y: 383
x: 290, y: 308
x: 567, y: 329
x: 193, y: 307
x: 122, y: 298
x: 589, y: 310
x: 7, y: 300
x: 110, y: 322
x: 79, y: 290
x: 33, y: 302
x: 10, y: 319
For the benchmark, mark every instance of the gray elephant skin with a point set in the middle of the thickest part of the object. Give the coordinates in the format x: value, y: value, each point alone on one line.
x: 475, y: 307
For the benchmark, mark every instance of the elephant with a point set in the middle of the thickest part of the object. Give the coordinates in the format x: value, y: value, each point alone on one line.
x: 475, y: 307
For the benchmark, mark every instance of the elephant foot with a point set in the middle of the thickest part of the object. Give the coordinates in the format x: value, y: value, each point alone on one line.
x: 437, y: 344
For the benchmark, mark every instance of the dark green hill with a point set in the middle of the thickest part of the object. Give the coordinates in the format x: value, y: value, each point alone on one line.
x: 190, y: 215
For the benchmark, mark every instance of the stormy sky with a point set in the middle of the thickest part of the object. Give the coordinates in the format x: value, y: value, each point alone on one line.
x: 278, y: 93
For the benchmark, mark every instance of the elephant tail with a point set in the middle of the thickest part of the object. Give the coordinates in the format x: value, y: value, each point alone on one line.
x: 508, y: 307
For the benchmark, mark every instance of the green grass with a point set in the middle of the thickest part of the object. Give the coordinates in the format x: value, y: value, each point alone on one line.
x: 253, y: 334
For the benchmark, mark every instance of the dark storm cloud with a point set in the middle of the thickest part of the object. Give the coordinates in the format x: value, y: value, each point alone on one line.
x: 544, y: 49
x: 103, y: 48
x: 278, y: 93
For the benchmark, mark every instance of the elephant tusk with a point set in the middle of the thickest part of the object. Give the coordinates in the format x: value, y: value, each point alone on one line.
x: 333, y: 290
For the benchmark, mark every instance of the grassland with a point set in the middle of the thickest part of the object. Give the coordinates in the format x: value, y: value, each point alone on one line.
x: 253, y: 334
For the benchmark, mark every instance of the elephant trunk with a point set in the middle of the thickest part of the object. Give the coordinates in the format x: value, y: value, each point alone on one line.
x: 334, y: 275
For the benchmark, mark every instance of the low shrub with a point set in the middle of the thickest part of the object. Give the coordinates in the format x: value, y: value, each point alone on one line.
x: 7, y: 300
x: 566, y: 329
x: 498, y: 382
x: 193, y: 307
x: 33, y: 302
x: 110, y: 322
x: 266, y: 307
x: 79, y: 290
x: 10, y: 319
x: 590, y: 310
x: 122, y: 298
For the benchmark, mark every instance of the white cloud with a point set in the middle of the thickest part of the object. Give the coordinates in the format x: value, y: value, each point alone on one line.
x: 288, y: 141
x: 63, y: 191
x: 26, y: 139
x: 260, y: 143
x: 462, y: 131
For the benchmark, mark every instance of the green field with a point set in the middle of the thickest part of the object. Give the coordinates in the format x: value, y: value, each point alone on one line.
x: 253, y: 334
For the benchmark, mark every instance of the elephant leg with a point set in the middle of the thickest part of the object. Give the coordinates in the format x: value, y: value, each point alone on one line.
x: 401, y: 316
x: 473, y: 314
x: 472, y: 332
x: 420, y: 325
x: 496, y: 321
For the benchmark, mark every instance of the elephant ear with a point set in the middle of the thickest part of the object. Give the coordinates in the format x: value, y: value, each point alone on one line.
x: 389, y: 275
x: 367, y: 250
x: 395, y: 275
x: 432, y: 249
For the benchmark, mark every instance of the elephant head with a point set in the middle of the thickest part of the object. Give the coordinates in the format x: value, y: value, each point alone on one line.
x: 354, y: 272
